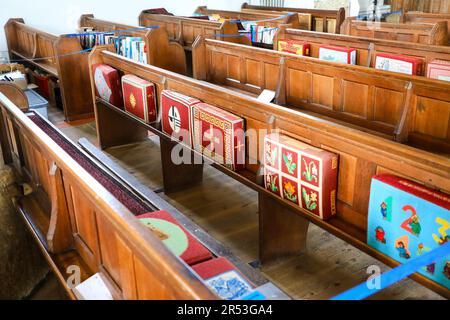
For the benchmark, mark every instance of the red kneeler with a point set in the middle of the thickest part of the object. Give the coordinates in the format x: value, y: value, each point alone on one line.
x: 175, y: 237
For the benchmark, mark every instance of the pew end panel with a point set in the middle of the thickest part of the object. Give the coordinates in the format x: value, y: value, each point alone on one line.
x: 362, y: 156
x: 57, y: 56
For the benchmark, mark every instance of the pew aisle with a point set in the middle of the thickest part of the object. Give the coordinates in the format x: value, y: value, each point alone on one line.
x: 228, y: 211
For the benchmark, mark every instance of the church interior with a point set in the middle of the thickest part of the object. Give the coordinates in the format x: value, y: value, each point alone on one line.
x: 231, y: 150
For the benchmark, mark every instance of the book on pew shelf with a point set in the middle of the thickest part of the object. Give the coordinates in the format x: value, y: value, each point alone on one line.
x: 139, y: 98
x: 439, y: 69
x: 176, y: 238
x: 337, y: 54
x: 398, y: 63
x: 107, y: 84
x: 223, y: 278
x: 93, y: 288
x: 406, y: 220
x: 176, y: 113
x: 219, y: 135
x: 300, y: 48
x: 302, y: 174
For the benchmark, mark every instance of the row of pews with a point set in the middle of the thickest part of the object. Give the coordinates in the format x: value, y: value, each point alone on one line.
x: 376, y: 121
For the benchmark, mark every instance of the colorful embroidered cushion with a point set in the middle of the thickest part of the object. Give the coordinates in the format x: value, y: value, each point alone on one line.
x: 302, y: 174
x: 107, y: 84
x: 223, y: 278
x: 175, y: 237
x: 407, y: 220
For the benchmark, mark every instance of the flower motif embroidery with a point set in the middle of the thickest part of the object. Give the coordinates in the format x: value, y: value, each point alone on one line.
x: 287, y: 158
x: 311, y: 171
x: 271, y: 155
x: 272, y: 180
x: 310, y: 199
x: 289, y: 192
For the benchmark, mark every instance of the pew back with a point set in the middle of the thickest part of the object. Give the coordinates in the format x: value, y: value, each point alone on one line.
x: 83, y: 215
x: 161, y: 52
x: 421, y: 17
x: 367, y: 48
x: 322, y: 20
x: 401, y: 107
x: 184, y: 30
x: 432, y: 34
x: 267, y: 19
x: 361, y: 155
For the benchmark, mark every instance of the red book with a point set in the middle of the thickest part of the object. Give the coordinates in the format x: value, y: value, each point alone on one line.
x: 398, y: 63
x: 175, y: 237
x: 223, y: 278
x: 302, y: 174
x: 300, y: 48
x: 176, y: 111
x: 139, y: 98
x: 219, y: 135
x: 337, y: 54
x: 439, y: 69
x: 107, y: 84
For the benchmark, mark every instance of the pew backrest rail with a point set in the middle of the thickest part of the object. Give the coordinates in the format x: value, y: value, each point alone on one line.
x: 85, y: 216
x: 426, y: 33
x: 400, y: 107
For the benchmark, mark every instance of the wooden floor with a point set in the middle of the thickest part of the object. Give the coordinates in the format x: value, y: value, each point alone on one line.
x: 228, y: 211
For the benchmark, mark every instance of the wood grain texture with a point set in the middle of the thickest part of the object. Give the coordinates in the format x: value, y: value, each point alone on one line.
x: 367, y: 151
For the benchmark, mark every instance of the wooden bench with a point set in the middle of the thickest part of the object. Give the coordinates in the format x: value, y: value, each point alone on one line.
x: 45, y: 51
x: 426, y: 33
x: 261, y: 18
x: 184, y: 30
x: 367, y: 48
x: 422, y: 17
x: 434, y: 6
x: 78, y: 223
x: 322, y: 20
x: 404, y: 108
x: 283, y: 226
x: 161, y: 52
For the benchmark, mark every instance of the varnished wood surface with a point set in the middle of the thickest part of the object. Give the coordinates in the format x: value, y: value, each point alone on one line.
x: 432, y: 33
x: 320, y: 18
x: 396, y: 105
x: 229, y: 212
x: 362, y: 155
x: 366, y: 48
x: 106, y: 235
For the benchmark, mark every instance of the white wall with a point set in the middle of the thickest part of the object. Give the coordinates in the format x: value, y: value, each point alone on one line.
x: 61, y: 16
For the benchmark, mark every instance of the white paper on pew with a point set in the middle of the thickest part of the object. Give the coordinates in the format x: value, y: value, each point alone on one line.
x: 266, y: 96
x: 93, y: 288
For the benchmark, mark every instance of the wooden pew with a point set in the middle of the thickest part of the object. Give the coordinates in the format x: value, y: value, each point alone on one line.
x: 322, y: 20
x: 283, y: 226
x: 184, y: 30
x: 400, y: 107
x: 276, y: 19
x: 422, y: 17
x: 27, y: 43
x: 79, y: 224
x: 432, y: 6
x: 426, y: 33
x: 367, y: 48
x: 160, y: 51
